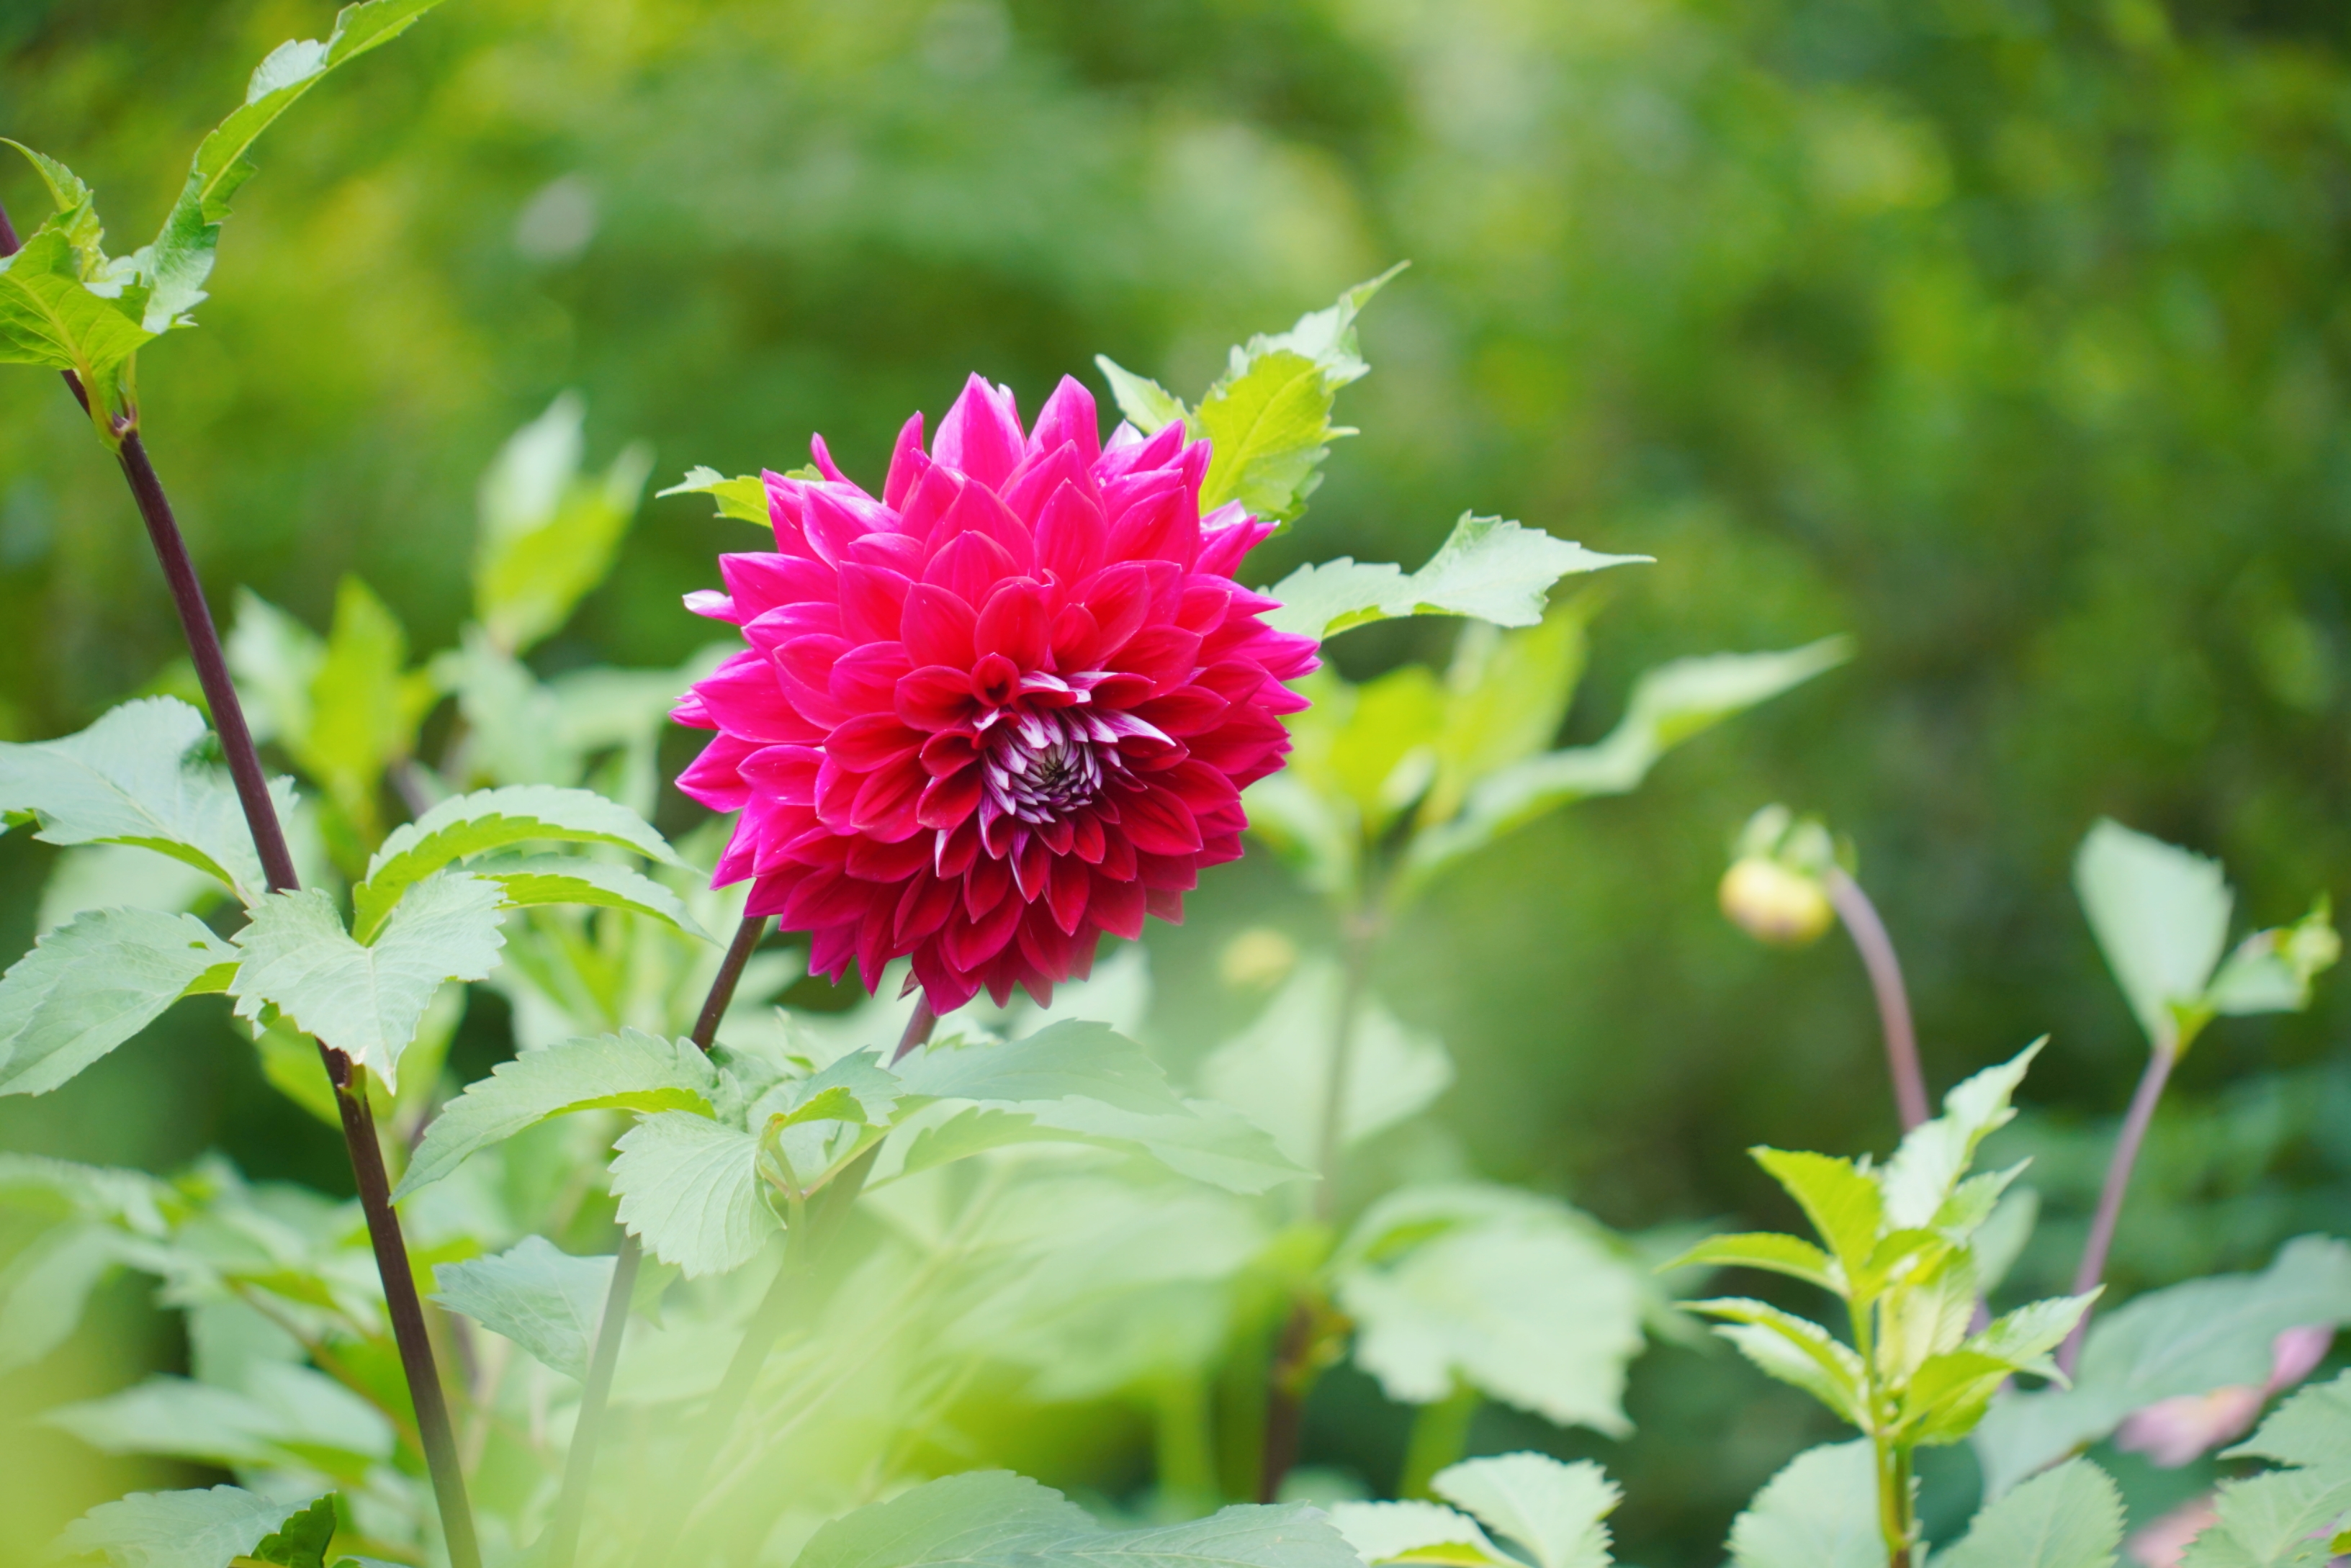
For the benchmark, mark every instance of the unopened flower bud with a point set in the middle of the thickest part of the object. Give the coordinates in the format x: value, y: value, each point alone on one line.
x: 1256, y: 959
x: 1774, y: 903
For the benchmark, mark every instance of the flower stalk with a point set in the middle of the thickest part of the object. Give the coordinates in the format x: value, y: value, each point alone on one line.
x: 1876, y: 947
x: 401, y: 1304
x: 2091, y: 1272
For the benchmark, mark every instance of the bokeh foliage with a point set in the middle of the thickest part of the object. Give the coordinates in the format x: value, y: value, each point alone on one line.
x: 2007, y: 336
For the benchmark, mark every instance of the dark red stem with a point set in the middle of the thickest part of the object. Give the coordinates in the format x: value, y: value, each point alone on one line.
x: 401, y: 1301
x: 1876, y: 949
x: 2092, y: 1268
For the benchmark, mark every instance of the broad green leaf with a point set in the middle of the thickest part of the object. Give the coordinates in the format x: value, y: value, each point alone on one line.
x: 1514, y: 1294
x: 1077, y: 1058
x: 1846, y: 1204
x: 1506, y: 695
x: 2069, y: 1518
x: 74, y: 212
x: 1556, y: 1512
x: 628, y: 1070
x: 2160, y: 915
x: 1199, y: 1139
x: 63, y: 1189
x: 2188, y: 1339
x: 175, y: 1529
x: 302, y: 1540
x: 285, y: 1414
x: 51, y: 314
x: 993, y: 1518
x: 547, y: 535
x: 125, y: 781
x: 857, y: 1083
x: 1416, y: 1533
x: 974, y: 1130
x: 689, y: 1189
x: 1820, y: 1511
x: 1277, y: 1070
x: 1383, y: 756
x: 1148, y: 406
x: 2271, y: 971
x: 92, y: 983
x: 1768, y: 1251
x: 744, y: 497
x: 366, y: 1000
x: 535, y: 1294
x: 1670, y: 705
x: 1794, y: 1350
x: 180, y: 259
x: 1490, y: 568
x: 1920, y: 1179
x: 46, y: 1283
x: 564, y: 879
x: 468, y: 825
x: 363, y: 705
x: 2288, y: 1518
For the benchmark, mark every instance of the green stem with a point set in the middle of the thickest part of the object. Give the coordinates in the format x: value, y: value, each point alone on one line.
x: 1440, y: 1435
x: 1186, y: 1453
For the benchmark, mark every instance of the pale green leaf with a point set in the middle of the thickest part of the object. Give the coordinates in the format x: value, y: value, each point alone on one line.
x: 1846, y: 1204
x: 1076, y: 1059
x: 2286, y: 1518
x: 628, y: 1070
x: 1416, y: 1533
x: 363, y: 707
x: 1148, y: 406
x: 2160, y: 915
x: 689, y: 1189
x: 1796, y: 1351
x: 1820, y: 1511
x: 44, y: 1286
x: 367, y: 1000
x: 993, y: 1518
x: 1920, y: 1179
x: 2069, y: 1518
x: 50, y: 315
x: 535, y: 1294
x: 125, y: 781
x: 2271, y: 971
x: 275, y: 658
x: 180, y: 259
x: 92, y: 983
x: 1768, y: 1251
x: 1199, y: 1139
x: 547, y: 536
x: 468, y: 825
x: 285, y: 1413
x: 2186, y: 1339
x: 564, y: 879
x: 1556, y: 1512
x: 744, y: 497
x: 1490, y: 568
x: 175, y: 1529
x: 1506, y: 695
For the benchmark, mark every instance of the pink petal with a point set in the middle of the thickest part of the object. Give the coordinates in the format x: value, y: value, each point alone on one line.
x: 982, y: 434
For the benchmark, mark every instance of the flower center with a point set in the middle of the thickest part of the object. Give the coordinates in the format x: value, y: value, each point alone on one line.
x: 1043, y: 765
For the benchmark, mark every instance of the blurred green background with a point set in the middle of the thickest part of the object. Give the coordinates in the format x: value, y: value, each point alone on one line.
x: 2010, y: 336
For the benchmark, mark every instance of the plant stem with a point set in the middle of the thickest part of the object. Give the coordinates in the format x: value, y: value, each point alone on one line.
x: 1876, y: 949
x: 1185, y: 1452
x: 392, y: 1262
x: 579, y: 1464
x: 802, y: 1255
x: 1285, y: 1399
x: 1897, y: 1511
x: 2092, y: 1268
x: 1362, y: 931
x: 1440, y: 1432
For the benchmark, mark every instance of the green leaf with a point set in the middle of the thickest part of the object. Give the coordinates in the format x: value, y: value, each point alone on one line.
x: 468, y: 825
x: 1844, y: 1204
x: 1416, y: 1533
x: 180, y: 259
x: 547, y: 536
x: 362, y: 708
x: 1774, y: 1253
x: 993, y: 1518
x: 1517, y: 1295
x: 92, y: 983
x: 535, y: 1294
x: 1554, y: 1510
x: 1276, y: 1071
x: 1506, y: 695
x: 45, y: 1285
x: 2069, y: 1518
x: 1820, y: 1511
x: 689, y: 1189
x: 2160, y: 915
x: 1200, y: 1139
x: 1148, y: 406
x: 175, y: 1529
x: 1670, y: 705
x: 2271, y: 971
x: 744, y: 497
x: 286, y: 1414
x: 562, y: 879
x: 366, y: 1000
x: 125, y: 781
x: 1490, y: 568
x: 1796, y: 1351
x: 1921, y: 1176
x: 628, y: 1070
x: 302, y: 1540
x: 51, y: 314
x: 1076, y: 1059
x: 2286, y: 1518
x: 2188, y: 1339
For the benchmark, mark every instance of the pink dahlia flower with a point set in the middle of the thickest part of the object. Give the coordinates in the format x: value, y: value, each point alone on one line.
x: 1003, y: 709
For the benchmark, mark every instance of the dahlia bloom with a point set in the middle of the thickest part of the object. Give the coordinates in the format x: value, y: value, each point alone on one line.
x: 1006, y: 707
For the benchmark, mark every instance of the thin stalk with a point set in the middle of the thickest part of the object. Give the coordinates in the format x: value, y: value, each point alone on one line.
x: 579, y: 1464
x: 391, y: 1262
x: 1897, y: 1518
x: 802, y: 1255
x: 2092, y: 1268
x: 1876, y: 949
x: 1440, y: 1434
x: 1180, y: 1438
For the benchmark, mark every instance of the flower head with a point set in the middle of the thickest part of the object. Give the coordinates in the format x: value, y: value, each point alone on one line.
x: 1006, y: 707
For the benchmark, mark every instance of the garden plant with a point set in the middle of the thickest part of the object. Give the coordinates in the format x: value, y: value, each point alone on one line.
x: 691, y: 1278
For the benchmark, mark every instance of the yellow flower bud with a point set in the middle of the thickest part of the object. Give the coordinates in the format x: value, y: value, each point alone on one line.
x: 1774, y: 903
x: 1256, y: 959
